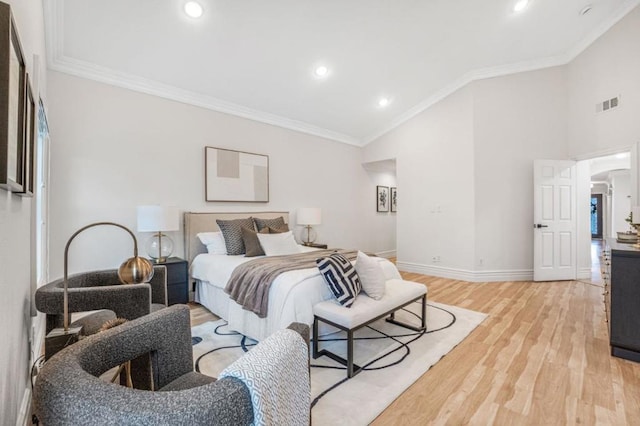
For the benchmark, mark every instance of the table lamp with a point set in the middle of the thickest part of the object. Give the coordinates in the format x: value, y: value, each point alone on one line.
x: 158, y: 219
x: 308, y: 216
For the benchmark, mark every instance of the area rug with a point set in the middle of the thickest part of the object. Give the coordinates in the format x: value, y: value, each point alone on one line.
x: 408, y: 356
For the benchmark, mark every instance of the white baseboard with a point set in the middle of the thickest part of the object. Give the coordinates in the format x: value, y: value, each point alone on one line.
x: 466, y: 275
x: 24, y: 416
x: 386, y: 254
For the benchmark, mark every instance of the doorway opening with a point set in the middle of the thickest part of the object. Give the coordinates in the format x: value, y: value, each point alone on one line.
x: 596, y: 216
x: 610, y: 204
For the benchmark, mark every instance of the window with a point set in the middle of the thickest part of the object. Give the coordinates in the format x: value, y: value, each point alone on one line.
x: 42, y: 197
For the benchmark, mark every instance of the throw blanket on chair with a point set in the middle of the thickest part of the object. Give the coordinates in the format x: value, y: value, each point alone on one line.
x: 249, y: 283
x: 277, y: 396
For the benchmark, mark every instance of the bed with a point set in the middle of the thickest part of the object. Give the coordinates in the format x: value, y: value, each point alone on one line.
x: 291, y: 296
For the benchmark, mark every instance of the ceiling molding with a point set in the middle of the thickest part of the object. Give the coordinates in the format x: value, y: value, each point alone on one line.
x: 503, y: 70
x: 57, y: 61
x: 479, y: 74
x: 622, y: 11
x: 97, y: 73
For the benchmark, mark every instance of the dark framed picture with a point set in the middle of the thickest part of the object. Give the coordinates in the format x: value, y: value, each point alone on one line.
x: 382, y: 198
x: 393, y: 194
x: 235, y: 176
x: 12, y: 104
x: 29, y: 142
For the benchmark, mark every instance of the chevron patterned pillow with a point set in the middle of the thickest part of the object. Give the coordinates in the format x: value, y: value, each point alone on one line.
x: 341, y: 277
x: 232, y: 233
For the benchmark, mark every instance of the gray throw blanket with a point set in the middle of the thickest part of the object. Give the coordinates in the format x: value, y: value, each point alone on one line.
x: 250, y: 282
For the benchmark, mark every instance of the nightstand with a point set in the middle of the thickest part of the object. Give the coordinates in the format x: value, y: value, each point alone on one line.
x: 315, y: 245
x: 177, y: 280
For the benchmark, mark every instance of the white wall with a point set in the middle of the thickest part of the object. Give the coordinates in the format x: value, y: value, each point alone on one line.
x: 115, y: 149
x: 545, y: 114
x: 435, y: 169
x: 621, y: 200
x: 609, y: 67
x: 15, y: 250
x: 515, y: 123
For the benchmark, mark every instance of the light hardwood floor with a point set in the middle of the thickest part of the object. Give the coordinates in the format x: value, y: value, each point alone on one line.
x: 540, y: 358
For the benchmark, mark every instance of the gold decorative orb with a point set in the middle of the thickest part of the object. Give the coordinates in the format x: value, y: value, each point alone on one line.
x: 135, y: 270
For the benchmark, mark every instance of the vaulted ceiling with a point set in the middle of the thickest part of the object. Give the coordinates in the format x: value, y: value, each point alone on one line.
x: 257, y: 58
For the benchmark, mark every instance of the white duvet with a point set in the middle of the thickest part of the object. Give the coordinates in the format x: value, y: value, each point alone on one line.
x: 291, y: 295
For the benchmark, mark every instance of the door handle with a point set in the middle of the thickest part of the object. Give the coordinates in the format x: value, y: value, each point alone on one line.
x: 539, y: 225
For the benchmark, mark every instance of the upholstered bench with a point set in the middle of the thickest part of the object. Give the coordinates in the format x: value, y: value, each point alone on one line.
x: 364, y: 311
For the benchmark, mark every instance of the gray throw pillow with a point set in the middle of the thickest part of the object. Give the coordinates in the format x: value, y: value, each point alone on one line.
x: 279, y: 229
x: 232, y: 233
x: 276, y: 223
x: 252, y: 243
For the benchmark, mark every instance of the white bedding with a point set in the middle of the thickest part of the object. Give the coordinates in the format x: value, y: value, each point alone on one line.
x: 291, y: 296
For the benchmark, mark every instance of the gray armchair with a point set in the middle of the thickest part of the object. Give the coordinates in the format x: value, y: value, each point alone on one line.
x: 69, y: 391
x: 101, y: 290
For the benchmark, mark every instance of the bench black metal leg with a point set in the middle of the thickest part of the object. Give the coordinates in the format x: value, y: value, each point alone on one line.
x: 316, y: 342
x: 423, y: 321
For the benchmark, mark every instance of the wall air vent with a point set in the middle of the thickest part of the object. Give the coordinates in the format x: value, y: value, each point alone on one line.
x: 608, y: 104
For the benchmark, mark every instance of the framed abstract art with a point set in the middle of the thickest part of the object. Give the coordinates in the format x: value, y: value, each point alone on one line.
x: 236, y: 176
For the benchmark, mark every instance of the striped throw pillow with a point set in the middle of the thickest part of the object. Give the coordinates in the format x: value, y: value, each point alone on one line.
x: 341, y: 277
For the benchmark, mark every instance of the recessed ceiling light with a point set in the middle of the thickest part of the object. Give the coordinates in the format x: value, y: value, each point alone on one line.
x: 321, y: 71
x: 520, y: 5
x: 383, y: 102
x: 193, y: 9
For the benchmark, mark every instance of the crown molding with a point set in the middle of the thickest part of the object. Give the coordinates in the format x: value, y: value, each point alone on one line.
x: 620, y: 13
x: 104, y: 75
x: 57, y: 61
x: 499, y: 71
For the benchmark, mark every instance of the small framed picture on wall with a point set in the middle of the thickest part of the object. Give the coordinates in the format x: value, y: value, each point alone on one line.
x: 382, y: 198
x: 393, y: 199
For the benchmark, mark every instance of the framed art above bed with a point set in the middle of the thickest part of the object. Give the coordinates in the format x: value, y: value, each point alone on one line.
x: 236, y: 176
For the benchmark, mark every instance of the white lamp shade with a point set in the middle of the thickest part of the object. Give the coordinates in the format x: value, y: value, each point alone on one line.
x: 157, y: 218
x: 635, y: 214
x: 309, y: 216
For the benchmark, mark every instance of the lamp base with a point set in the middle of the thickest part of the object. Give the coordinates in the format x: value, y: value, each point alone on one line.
x: 58, y: 339
x: 308, y: 235
x: 159, y: 247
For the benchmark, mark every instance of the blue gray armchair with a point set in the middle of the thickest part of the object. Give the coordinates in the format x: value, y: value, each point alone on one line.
x: 68, y: 390
x: 101, y: 290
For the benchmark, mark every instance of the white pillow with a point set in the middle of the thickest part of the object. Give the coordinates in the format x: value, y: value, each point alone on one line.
x: 278, y: 244
x: 371, y: 275
x: 214, y: 241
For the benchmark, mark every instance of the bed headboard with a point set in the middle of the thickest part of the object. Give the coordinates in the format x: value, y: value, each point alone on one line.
x: 195, y: 222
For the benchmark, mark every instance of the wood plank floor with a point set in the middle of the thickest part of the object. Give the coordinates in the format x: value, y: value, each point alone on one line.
x: 540, y: 358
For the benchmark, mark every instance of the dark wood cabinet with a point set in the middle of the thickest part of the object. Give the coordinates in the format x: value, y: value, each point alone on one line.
x: 622, y: 299
x: 177, y: 280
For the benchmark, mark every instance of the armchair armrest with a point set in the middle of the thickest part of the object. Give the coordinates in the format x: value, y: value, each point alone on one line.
x: 159, y: 285
x: 276, y: 373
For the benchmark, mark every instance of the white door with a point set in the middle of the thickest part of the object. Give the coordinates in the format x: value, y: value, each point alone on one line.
x: 554, y: 220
